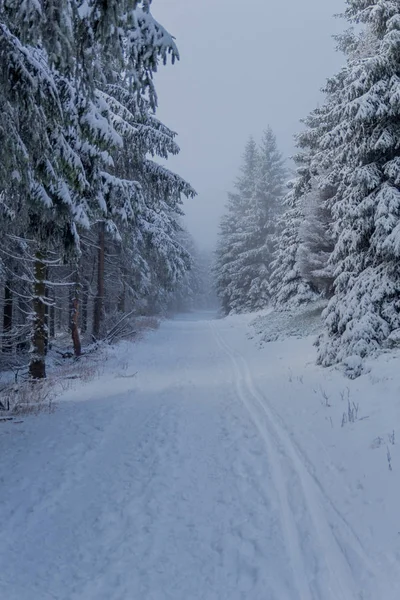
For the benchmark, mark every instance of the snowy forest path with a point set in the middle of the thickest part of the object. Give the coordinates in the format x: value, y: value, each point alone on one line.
x: 181, y: 483
x: 327, y: 558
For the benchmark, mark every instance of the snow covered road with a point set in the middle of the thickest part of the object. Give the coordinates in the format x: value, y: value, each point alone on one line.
x: 182, y: 483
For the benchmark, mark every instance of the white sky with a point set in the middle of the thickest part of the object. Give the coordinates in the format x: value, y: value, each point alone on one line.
x: 244, y: 65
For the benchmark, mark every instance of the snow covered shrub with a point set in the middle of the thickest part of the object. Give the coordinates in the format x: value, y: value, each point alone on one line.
x: 29, y: 397
x: 354, y: 367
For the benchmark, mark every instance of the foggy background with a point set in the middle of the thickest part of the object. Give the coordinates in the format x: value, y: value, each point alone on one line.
x: 241, y: 69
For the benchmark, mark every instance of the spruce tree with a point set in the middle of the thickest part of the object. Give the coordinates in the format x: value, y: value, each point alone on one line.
x: 246, y: 245
x: 301, y: 267
x: 231, y: 280
x: 316, y: 239
x: 366, y: 304
x: 77, y: 95
x: 288, y: 288
x: 261, y: 222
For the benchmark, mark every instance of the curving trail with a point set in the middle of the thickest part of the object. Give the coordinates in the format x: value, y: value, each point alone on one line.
x: 180, y: 484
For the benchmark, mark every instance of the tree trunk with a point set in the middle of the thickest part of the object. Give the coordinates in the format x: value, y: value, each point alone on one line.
x: 46, y: 317
x: 60, y: 312
x: 122, y: 298
x: 23, y: 309
x: 52, y: 318
x: 7, y: 317
x: 123, y: 275
x: 74, y: 314
x: 84, y: 312
x: 99, y: 300
x: 37, y: 367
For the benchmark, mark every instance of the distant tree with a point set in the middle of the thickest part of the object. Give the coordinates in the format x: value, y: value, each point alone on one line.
x: 301, y: 268
x: 232, y: 281
x: 260, y: 223
x: 316, y: 240
x: 186, y: 292
x: 248, y: 229
x: 289, y: 289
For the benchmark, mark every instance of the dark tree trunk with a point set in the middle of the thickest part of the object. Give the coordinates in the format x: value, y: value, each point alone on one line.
x: 46, y: 318
x: 74, y: 314
x: 121, y: 299
x: 52, y: 318
x: 99, y: 300
x: 23, y: 309
x: 7, y: 317
x: 37, y: 367
x: 60, y: 302
x: 84, y: 311
x: 123, y: 274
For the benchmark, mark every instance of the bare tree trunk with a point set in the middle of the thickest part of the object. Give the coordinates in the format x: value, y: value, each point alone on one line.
x: 37, y: 367
x: 122, y: 298
x: 74, y: 314
x: 62, y: 304
x: 23, y: 309
x: 88, y: 283
x: 46, y: 317
x: 7, y: 317
x: 123, y: 274
x: 99, y: 300
x: 52, y: 318
x: 84, y: 312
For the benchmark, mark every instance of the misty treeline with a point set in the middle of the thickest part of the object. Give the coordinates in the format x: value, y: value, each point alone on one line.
x: 270, y: 251
x: 335, y: 231
x: 90, y: 222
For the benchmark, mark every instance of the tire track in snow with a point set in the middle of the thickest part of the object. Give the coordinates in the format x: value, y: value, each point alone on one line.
x: 288, y: 524
x: 280, y: 447
x: 346, y: 538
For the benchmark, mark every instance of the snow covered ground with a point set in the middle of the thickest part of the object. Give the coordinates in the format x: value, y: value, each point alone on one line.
x: 201, y: 467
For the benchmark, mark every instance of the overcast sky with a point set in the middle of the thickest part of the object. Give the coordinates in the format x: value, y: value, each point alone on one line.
x: 244, y: 65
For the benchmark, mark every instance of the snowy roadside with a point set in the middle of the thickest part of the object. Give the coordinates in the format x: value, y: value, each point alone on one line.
x: 271, y: 326
x: 346, y: 430
x: 65, y: 372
